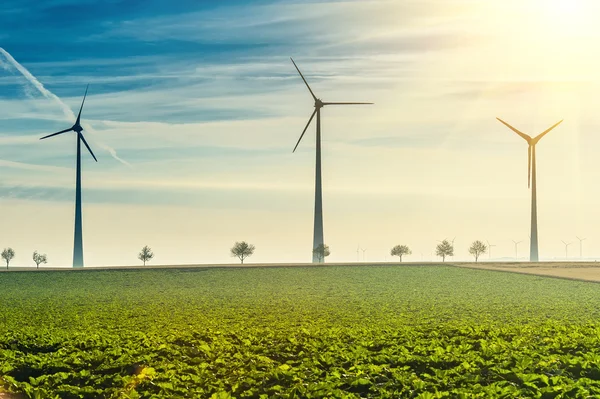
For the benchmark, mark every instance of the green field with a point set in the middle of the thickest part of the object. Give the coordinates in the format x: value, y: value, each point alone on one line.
x: 370, y: 332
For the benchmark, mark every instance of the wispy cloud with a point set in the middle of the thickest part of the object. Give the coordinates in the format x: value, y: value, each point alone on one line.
x: 25, y: 166
x: 201, y: 97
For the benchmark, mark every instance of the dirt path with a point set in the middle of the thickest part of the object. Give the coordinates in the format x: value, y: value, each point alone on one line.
x: 589, y: 271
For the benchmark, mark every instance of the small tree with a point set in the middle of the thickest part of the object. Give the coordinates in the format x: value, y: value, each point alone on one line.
x: 145, y: 255
x: 444, y: 249
x: 400, y: 250
x: 8, y: 254
x: 477, y: 249
x: 242, y: 250
x: 322, y: 251
x: 39, y: 258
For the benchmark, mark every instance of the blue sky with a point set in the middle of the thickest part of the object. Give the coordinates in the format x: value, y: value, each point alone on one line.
x: 202, y: 106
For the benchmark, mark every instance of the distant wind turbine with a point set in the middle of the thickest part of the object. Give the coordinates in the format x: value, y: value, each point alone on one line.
x: 532, y: 181
x: 490, y: 247
x: 581, y: 240
x: 357, y: 253
x: 78, y: 241
x: 364, y: 250
x: 567, y: 249
x: 318, y: 222
x: 517, y: 248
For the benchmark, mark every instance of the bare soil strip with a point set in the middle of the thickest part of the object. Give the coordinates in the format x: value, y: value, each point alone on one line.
x: 581, y: 271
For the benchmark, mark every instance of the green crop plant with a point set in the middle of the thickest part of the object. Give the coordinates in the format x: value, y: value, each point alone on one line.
x: 347, y: 332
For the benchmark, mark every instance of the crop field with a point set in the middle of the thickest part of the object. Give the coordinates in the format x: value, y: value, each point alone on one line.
x: 347, y: 332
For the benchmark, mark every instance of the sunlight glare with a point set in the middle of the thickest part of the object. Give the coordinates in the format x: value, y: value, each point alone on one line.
x: 562, y: 7
x: 566, y: 12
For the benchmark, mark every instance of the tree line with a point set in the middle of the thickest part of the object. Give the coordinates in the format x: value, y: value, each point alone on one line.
x: 443, y: 250
x: 242, y: 250
x: 8, y: 254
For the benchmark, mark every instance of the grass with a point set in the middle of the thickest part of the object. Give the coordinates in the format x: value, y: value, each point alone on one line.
x: 347, y: 331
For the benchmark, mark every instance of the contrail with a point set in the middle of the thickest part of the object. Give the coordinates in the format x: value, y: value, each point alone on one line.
x: 38, y: 85
x: 51, y: 96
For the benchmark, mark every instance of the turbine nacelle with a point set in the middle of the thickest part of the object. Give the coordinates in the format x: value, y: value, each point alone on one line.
x: 76, y: 128
x: 532, y: 141
x: 318, y: 104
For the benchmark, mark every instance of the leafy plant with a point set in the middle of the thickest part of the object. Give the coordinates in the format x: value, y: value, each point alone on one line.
x: 8, y: 254
x: 443, y: 249
x: 400, y: 251
x: 145, y: 254
x: 322, y: 251
x: 376, y: 332
x: 39, y: 258
x: 477, y: 249
x: 242, y: 250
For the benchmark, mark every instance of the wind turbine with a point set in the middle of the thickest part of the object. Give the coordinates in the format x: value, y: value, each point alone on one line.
x: 364, y: 250
x: 567, y: 249
x: 517, y: 249
x: 78, y: 241
x: 581, y: 240
x: 490, y: 247
x: 318, y: 223
x: 532, y: 181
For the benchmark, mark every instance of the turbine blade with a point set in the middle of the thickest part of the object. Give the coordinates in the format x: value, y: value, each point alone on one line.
x: 539, y: 137
x: 529, y: 167
x: 305, y: 82
x: 304, y: 131
x: 348, y: 103
x: 57, y: 133
x: 88, y: 147
x: 525, y: 136
x: 83, y: 102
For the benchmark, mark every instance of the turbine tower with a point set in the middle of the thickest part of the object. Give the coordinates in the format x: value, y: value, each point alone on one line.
x: 517, y: 249
x: 532, y: 182
x: 567, y: 249
x: 581, y: 240
x: 78, y: 241
x: 318, y: 223
x: 490, y: 247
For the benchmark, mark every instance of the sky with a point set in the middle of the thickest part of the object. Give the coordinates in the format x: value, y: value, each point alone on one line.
x: 194, y: 108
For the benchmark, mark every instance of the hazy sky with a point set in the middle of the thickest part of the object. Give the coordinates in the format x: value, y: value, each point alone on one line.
x: 201, y: 102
